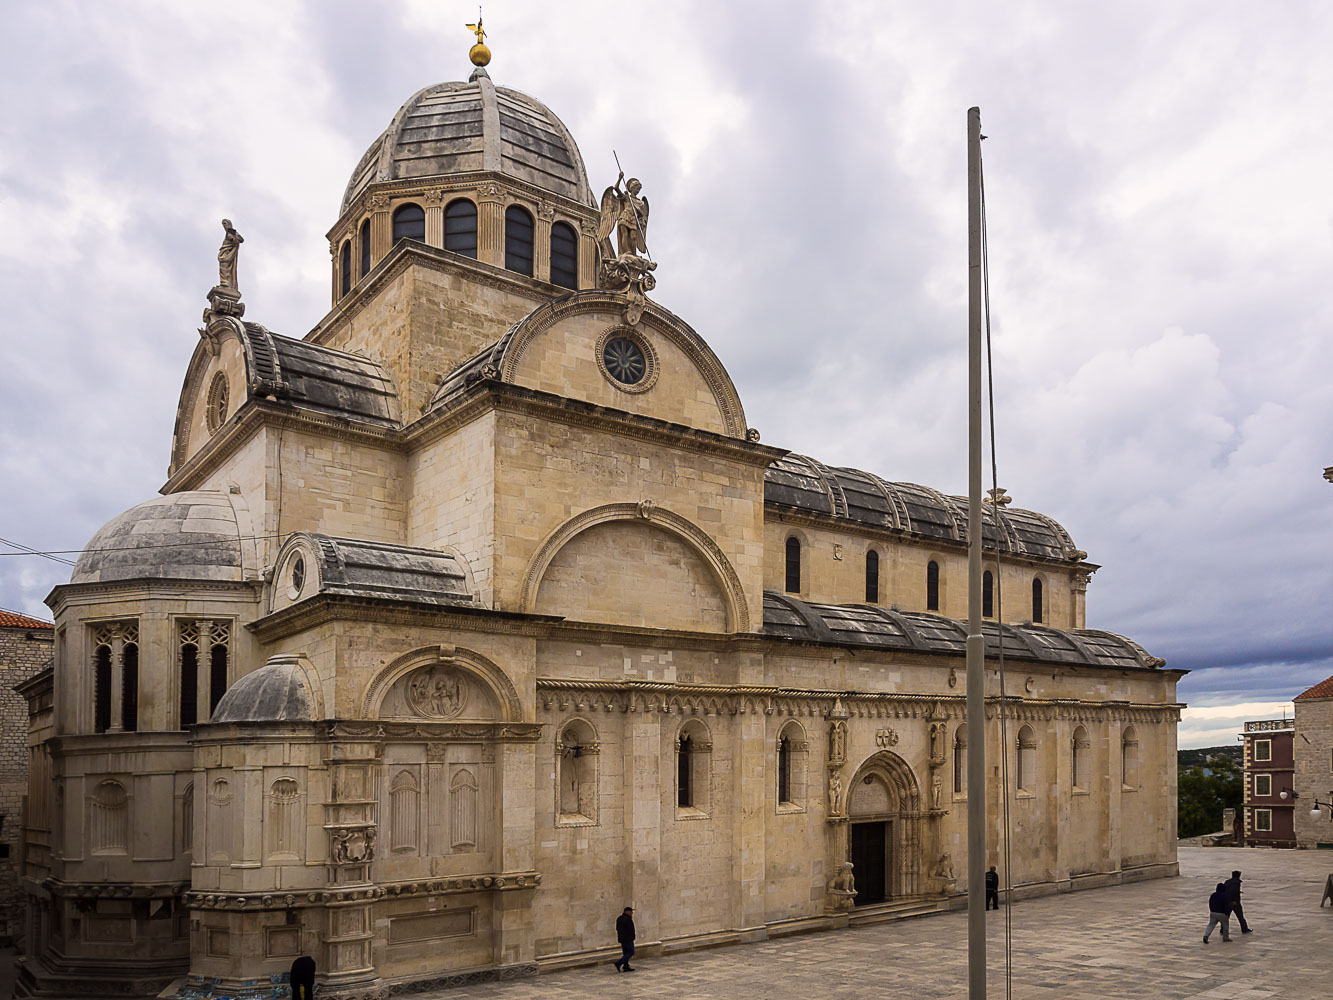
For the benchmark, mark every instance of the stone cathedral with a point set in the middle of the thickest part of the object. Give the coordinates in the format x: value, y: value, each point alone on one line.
x: 479, y: 613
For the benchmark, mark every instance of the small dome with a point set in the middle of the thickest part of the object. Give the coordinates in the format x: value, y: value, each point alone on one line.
x: 194, y: 535
x: 459, y: 128
x: 276, y: 692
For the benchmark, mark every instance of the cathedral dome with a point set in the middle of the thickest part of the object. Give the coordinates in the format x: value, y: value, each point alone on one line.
x: 459, y: 128
x: 277, y: 692
x: 194, y: 535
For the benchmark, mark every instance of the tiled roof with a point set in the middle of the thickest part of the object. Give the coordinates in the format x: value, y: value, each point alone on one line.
x: 12, y: 619
x: 1324, y: 689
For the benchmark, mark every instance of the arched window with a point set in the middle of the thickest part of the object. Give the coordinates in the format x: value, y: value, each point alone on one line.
x: 987, y: 595
x: 217, y: 676
x: 1080, y: 773
x: 518, y: 240
x: 345, y: 266
x: 791, y: 755
x: 460, y: 227
x: 363, y: 238
x: 872, y: 577
x: 409, y: 223
x: 1036, y: 600
x: 693, y: 779
x: 793, y: 565
x: 129, y: 687
x: 960, y: 760
x: 404, y: 810
x: 932, y: 586
x: 102, y: 688
x: 1129, y: 758
x: 1025, y: 775
x: 189, y: 686
x: 463, y: 810
x: 564, y: 256
x: 187, y: 820
x: 576, y: 753
x: 685, y: 773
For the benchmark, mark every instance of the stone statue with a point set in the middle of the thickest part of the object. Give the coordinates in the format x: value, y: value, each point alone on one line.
x: 837, y: 742
x: 937, y: 734
x: 835, y: 804
x: 227, y: 254
x: 943, y: 869
x: 936, y: 787
x: 625, y: 213
x: 842, y: 888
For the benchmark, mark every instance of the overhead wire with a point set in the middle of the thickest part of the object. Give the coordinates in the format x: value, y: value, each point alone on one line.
x: 58, y: 554
x: 997, y: 512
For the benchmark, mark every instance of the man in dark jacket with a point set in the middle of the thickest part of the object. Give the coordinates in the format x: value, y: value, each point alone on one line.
x: 1219, y: 912
x: 625, y: 935
x: 992, y: 889
x: 1233, y: 893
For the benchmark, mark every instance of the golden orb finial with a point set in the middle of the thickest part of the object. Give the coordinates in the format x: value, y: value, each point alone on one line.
x: 479, y: 53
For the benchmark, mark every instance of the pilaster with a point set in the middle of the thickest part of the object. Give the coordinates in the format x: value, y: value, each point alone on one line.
x: 491, y: 225
x: 643, y: 815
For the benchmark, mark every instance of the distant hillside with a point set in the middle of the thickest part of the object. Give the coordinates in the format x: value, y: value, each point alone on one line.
x: 1198, y: 757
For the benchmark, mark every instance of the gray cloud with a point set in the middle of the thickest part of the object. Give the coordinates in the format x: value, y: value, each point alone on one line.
x: 1160, y: 245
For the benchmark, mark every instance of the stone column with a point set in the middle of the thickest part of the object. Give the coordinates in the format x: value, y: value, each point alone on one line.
x: 541, y: 251
x: 435, y: 218
x: 203, y: 671
x: 490, y: 225
x: 1078, y: 599
x: 588, y: 255
x: 381, y: 228
x: 350, y: 822
x: 117, y: 677
x: 511, y: 914
x: 643, y: 814
x: 751, y: 749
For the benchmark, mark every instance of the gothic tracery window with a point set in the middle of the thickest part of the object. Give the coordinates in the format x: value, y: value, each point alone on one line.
x: 201, y: 644
x: 102, y: 687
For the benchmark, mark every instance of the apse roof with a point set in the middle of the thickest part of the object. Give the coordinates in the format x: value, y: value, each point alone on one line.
x: 805, y: 484
x: 455, y: 128
x: 320, y: 378
x: 356, y: 568
x: 872, y: 627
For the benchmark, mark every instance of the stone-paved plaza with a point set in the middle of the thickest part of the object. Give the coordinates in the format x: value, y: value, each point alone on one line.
x: 1141, y: 940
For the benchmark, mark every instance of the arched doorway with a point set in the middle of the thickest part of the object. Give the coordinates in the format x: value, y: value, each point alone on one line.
x: 884, y: 839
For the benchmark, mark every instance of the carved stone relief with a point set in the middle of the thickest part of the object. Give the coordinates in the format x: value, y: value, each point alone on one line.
x: 437, y: 692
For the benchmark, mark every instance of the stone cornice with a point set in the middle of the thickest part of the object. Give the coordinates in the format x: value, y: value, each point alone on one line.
x: 408, y: 253
x: 65, y: 595
x: 740, y: 699
x: 116, y: 890
x: 376, y: 730
x: 279, y: 900
x: 786, y: 514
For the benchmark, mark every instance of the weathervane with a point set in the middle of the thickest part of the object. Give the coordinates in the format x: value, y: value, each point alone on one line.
x: 479, y: 54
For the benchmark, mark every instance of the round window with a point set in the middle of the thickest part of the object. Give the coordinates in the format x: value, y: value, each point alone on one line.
x: 298, y: 575
x: 624, y: 360
x: 215, y: 412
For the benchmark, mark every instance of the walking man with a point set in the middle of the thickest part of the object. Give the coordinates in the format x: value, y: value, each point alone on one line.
x: 1219, y: 912
x: 1233, y: 893
x: 625, y: 935
x: 992, y: 889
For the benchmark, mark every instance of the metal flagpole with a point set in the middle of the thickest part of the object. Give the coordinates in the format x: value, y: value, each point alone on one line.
x: 976, y: 650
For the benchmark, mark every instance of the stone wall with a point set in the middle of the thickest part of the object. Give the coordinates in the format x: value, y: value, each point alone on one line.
x: 1314, y: 770
x: 23, y: 652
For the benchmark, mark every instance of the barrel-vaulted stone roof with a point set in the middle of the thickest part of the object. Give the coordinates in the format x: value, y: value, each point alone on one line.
x: 804, y: 484
x: 319, y: 378
x: 354, y: 567
x: 458, y: 128
x: 868, y: 626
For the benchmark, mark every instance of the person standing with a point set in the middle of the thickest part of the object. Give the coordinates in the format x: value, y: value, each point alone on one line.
x: 303, y: 978
x: 1233, y: 893
x: 625, y: 935
x: 1219, y: 912
x: 992, y: 889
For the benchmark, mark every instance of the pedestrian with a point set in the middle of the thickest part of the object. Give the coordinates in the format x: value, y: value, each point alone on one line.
x: 303, y: 978
x: 1233, y: 893
x: 1219, y: 912
x: 992, y: 889
x: 625, y: 935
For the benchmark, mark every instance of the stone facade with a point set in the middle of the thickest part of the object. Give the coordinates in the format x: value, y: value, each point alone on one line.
x: 1314, y: 766
x: 25, y: 650
x: 481, y: 613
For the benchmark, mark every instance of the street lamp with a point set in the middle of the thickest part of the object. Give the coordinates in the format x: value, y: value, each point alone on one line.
x: 1314, y: 810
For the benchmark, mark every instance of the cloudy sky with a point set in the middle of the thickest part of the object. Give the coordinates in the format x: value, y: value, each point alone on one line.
x: 1161, y: 241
